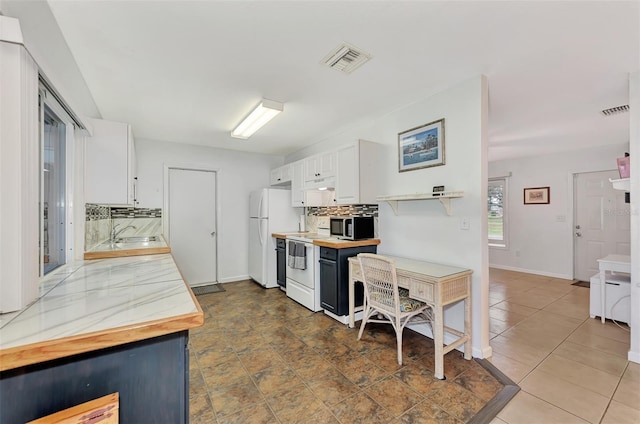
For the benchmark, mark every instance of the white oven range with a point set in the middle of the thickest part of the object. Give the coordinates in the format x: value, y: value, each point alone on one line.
x: 303, y: 285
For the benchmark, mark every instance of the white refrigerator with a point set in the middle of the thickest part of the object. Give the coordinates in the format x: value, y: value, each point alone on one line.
x: 270, y: 211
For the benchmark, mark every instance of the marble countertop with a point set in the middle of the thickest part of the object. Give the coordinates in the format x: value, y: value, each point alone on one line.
x: 114, y: 250
x: 90, y: 305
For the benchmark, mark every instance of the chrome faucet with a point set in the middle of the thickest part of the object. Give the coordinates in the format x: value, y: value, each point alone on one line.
x: 115, y: 233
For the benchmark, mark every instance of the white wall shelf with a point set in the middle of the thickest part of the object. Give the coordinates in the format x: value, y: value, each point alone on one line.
x: 621, y: 184
x: 444, y: 198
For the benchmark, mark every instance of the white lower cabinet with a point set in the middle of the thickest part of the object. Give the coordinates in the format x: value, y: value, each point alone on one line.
x: 110, y: 164
x: 617, y: 297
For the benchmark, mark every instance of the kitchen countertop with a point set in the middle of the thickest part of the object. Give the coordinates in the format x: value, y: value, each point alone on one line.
x: 331, y: 242
x: 90, y: 305
x: 117, y: 250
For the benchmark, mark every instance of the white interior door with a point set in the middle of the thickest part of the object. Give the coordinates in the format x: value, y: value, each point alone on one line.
x: 601, y: 223
x: 191, y: 231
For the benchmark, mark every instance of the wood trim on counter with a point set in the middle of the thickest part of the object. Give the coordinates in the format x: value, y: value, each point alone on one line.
x: 129, y: 252
x: 35, y: 353
x: 344, y: 244
x: 285, y: 235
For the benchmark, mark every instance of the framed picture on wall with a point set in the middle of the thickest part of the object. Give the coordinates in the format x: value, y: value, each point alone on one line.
x: 536, y: 196
x: 421, y: 147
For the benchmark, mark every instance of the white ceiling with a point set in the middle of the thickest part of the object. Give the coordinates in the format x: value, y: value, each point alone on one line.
x: 189, y: 71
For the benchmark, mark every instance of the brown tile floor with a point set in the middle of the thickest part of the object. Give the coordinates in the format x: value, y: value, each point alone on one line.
x: 571, y: 368
x: 262, y: 358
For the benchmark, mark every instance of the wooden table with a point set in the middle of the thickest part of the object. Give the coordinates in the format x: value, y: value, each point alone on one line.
x: 614, y: 263
x: 435, y: 284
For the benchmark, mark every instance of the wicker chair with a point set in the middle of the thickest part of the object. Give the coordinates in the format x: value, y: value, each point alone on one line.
x: 384, y: 301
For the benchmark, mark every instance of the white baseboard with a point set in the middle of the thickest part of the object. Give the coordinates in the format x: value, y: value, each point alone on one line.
x: 485, y: 353
x: 634, y: 356
x: 234, y: 279
x: 532, y: 271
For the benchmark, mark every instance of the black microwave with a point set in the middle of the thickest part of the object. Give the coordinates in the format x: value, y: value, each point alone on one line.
x: 352, y: 227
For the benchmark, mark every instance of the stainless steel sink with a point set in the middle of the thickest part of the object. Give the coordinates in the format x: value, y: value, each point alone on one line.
x: 138, y: 239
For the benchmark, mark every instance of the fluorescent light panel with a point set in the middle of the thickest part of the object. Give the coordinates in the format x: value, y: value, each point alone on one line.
x: 263, y: 113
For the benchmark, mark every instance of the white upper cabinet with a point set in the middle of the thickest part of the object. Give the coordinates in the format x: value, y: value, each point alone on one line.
x: 305, y: 198
x: 110, y: 164
x: 322, y: 165
x: 297, y: 183
x: 281, y: 175
x: 356, y: 173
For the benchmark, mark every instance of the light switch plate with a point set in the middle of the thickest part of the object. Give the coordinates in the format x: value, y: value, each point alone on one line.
x: 464, y: 223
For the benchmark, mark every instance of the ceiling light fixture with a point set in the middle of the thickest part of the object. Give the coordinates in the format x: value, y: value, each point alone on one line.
x: 263, y: 113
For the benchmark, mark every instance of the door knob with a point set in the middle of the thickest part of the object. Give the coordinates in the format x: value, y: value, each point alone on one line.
x: 213, y: 233
x: 578, y: 234
x: 577, y: 227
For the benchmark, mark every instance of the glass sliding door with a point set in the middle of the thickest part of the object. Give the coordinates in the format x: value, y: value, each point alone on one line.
x: 53, y: 189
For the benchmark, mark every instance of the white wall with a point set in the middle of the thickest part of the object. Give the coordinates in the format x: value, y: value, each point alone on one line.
x: 238, y: 173
x: 422, y: 230
x: 19, y: 152
x: 45, y: 42
x: 634, y: 151
x: 543, y: 240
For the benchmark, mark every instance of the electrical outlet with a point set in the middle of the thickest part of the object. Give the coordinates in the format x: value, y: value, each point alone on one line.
x: 464, y: 223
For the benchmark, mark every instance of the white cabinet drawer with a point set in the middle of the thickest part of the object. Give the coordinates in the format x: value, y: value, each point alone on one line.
x: 419, y: 290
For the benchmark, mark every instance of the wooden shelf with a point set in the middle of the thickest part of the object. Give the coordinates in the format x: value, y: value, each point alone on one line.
x: 621, y: 184
x: 444, y: 198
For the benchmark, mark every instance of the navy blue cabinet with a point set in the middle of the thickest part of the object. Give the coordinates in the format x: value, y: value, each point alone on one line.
x: 151, y: 376
x: 334, y: 278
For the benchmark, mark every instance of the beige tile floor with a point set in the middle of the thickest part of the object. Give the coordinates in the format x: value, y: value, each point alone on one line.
x: 262, y: 358
x: 570, y: 368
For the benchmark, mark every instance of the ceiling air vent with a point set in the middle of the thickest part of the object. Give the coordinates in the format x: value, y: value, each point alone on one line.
x: 614, y: 110
x: 346, y: 58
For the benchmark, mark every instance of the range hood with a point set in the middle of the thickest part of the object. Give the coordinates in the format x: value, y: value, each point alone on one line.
x: 321, y: 184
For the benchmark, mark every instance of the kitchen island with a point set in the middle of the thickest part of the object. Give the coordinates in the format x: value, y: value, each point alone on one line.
x: 99, y: 327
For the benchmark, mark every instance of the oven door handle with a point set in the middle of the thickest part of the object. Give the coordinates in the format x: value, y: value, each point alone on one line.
x: 326, y: 261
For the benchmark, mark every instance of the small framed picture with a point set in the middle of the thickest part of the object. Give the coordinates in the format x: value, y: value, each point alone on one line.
x: 421, y: 147
x: 536, y: 196
x: 437, y: 190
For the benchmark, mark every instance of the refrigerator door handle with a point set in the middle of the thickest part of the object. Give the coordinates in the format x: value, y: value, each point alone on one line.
x: 260, y: 232
x: 259, y: 213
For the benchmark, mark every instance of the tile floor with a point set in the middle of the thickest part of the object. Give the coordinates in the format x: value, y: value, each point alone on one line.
x: 262, y: 358
x: 570, y: 368
x: 280, y: 363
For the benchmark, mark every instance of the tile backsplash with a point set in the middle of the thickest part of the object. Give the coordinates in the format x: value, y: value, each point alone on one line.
x: 317, y: 216
x: 346, y: 210
x: 101, y: 218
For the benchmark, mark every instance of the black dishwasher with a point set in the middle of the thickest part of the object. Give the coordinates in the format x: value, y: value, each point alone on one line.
x: 281, y: 262
x: 334, y: 278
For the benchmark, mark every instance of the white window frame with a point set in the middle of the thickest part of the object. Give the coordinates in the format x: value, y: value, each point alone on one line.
x: 52, y: 103
x: 504, y: 243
